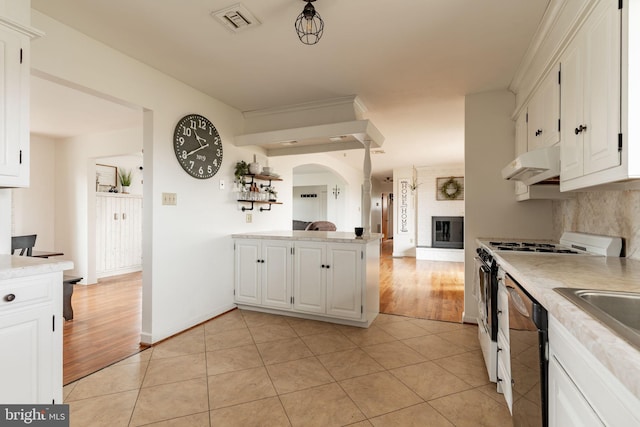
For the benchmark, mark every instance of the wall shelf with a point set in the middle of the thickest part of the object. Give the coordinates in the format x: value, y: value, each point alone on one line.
x: 251, y: 183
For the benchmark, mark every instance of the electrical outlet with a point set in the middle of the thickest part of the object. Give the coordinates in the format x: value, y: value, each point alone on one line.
x: 222, y: 184
x: 170, y: 199
x: 249, y: 217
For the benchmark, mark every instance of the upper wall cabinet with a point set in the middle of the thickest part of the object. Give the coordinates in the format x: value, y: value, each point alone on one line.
x: 543, y: 112
x: 14, y: 103
x: 591, y: 72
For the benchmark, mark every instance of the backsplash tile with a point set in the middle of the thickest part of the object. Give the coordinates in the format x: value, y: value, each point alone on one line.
x: 612, y: 213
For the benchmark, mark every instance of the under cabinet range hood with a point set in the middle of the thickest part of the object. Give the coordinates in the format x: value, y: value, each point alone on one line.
x: 534, y: 166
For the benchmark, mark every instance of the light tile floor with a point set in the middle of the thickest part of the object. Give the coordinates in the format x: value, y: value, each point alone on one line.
x: 253, y: 369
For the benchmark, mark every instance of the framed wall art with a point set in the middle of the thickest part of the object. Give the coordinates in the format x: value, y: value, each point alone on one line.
x: 451, y: 188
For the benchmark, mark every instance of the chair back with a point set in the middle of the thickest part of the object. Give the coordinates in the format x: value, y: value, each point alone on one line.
x: 321, y: 226
x: 24, y: 244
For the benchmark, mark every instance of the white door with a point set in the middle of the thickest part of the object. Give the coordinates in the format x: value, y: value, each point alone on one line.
x: 309, y: 280
x: 602, y: 88
x: 276, y: 273
x: 247, y: 271
x: 344, y: 280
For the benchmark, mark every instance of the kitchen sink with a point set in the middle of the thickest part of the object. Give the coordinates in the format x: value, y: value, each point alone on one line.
x: 618, y: 310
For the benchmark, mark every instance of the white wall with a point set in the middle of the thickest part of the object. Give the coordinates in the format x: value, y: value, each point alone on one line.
x: 34, y: 207
x: 428, y: 205
x: 490, y: 206
x: 310, y: 208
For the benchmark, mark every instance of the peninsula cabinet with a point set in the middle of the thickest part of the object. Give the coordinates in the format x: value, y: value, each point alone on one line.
x: 319, y: 275
x: 14, y: 103
x: 31, y: 328
x: 582, y: 392
x: 593, y: 143
x: 328, y: 279
x: 263, y: 272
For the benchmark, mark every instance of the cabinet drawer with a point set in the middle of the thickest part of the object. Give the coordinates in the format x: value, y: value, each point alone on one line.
x: 16, y: 293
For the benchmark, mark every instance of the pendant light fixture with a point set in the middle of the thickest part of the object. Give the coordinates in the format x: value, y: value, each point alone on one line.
x: 309, y: 24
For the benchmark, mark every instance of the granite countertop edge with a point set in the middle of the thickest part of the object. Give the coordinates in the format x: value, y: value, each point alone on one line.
x: 318, y: 236
x: 13, y: 266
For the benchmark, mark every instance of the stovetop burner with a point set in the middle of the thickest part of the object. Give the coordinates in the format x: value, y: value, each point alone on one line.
x: 531, y: 247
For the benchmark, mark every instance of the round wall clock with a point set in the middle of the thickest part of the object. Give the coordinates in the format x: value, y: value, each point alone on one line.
x: 198, y: 146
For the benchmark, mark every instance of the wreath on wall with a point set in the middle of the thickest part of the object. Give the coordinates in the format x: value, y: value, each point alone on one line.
x: 450, y: 189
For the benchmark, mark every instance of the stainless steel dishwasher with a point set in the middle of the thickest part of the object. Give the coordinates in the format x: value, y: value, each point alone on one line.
x: 528, y: 337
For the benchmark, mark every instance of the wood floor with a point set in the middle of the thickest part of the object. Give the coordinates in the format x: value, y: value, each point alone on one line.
x: 107, y: 316
x: 417, y: 288
x: 106, y: 325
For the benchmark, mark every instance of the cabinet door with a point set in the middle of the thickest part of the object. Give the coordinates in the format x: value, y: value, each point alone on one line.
x: 276, y: 274
x: 247, y: 271
x: 130, y: 247
x: 12, y: 92
x: 26, y: 362
x: 544, y: 113
x: 309, y: 280
x: 567, y: 406
x: 571, y: 147
x: 602, y: 88
x: 344, y: 280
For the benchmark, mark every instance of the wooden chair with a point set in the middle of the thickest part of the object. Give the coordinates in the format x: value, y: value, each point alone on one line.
x: 321, y: 226
x: 24, y: 244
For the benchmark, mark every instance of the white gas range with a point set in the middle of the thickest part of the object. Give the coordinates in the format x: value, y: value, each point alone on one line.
x: 486, y: 280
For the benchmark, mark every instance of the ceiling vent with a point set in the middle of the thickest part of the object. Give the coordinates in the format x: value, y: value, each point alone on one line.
x: 236, y: 18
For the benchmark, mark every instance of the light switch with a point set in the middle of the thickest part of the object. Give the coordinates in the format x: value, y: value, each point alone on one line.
x: 170, y: 199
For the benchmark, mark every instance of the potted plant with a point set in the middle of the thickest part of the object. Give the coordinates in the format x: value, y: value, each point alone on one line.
x: 125, y: 180
x: 242, y: 169
x: 273, y: 194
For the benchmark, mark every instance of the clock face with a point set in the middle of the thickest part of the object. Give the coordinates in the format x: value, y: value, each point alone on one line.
x: 198, y: 146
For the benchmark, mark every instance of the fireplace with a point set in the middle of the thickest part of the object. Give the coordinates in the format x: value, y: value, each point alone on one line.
x: 447, y: 232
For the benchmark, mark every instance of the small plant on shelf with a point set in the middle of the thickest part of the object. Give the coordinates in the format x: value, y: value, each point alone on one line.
x: 242, y: 169
x: 273, y: 194
x: 125, y: 177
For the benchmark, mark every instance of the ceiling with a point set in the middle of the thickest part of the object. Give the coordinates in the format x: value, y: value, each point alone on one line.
x: 410, y: 62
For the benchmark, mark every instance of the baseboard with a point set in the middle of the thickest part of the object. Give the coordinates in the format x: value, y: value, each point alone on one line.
x: 440, y: 254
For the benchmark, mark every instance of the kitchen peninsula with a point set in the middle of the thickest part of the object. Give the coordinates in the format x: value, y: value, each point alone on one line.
x: 31, y: 329
x: 321, y: 275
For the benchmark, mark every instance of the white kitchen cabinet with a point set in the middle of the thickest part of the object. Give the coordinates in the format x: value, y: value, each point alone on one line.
x: 322, y: 280
x: 310, y: 277
x: 118, y: 234
x: 591, y: 100
x: 583, y: 392
x: 14, y: 103
x: 543, y: 113
x: 328, y: 279
x: 263, y: 272
x: 504, y: 345
x: 31, y: 337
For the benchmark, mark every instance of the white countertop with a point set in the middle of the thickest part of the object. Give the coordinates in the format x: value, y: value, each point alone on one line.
x: 540, y: 273
x: 318, y: 236
x: 13, y: 266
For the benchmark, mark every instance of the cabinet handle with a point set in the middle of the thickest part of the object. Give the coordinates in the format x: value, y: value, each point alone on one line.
x: 328, y: 266
x: 115, y: 216
x: 10, y: 297
x: 124, y: 215
x: 580, y: 129
x: 322, y: 266
x: 499, y: 349
x: 539, y: 132
x: 499, y: 312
